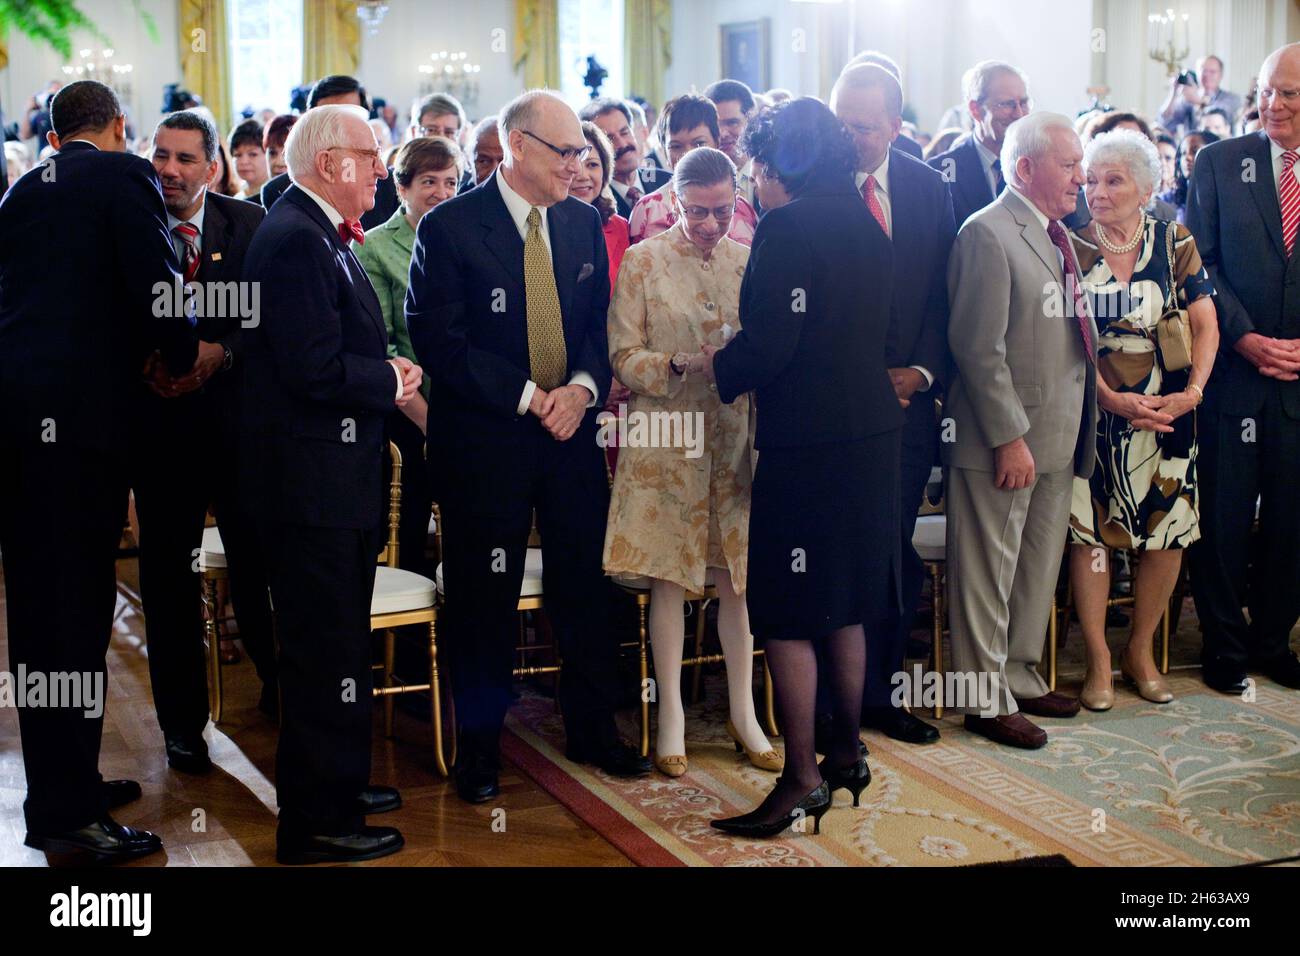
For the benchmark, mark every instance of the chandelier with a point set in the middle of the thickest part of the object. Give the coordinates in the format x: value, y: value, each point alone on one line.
x: 450, y: 72
x: 371, y: 14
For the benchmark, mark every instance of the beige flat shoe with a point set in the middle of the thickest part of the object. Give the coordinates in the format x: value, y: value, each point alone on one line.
x: 767, y: 760
x: 673, y: 765
x: 1100, y: 699
x: 1156, y: 691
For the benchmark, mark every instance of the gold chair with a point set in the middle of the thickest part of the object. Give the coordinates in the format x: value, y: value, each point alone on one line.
x: 929, y: 538
x: 212, y: 571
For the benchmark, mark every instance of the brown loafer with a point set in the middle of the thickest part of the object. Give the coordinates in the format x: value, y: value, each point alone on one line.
x: 1049, y: 705
x: 1014, y: 730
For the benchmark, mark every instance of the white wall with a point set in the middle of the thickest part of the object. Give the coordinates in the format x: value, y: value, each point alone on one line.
x: 156, y: 63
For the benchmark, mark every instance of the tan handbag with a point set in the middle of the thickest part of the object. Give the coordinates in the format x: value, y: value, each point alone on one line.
x: 1174, y: 329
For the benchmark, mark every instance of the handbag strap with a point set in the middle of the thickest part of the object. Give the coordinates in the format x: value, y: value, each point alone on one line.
x: 1171, y: 297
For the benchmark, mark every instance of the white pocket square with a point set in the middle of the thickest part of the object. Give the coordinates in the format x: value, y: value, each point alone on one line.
x: 585, y: 272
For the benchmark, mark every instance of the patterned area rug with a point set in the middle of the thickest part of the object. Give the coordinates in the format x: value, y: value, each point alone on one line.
x: 1207, y: 780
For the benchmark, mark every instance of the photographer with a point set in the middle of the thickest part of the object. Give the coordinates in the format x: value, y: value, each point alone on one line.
x: 1187, y: 101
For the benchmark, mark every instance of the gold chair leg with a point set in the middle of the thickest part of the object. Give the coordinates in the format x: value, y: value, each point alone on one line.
x: 389, y: 653
x: 698, y: 670
x: 644, y: 666
x: 1164, y: 640
x: 936, y: 636
x: 212, y: 630
x: 435, y: 700
x: 1051, y: 648
x: 769, y: 700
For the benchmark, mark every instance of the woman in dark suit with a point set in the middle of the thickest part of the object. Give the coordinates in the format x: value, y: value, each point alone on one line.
x: 824, y: 548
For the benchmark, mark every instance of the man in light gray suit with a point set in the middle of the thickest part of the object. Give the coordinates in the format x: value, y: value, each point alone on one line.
x: 1023, y: 410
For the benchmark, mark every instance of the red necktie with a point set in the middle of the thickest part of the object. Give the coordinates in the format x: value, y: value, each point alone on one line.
x: 1289, y: 194
x: 189, y: 236
x: 873, y: 203
x: 351, y: 229
x: 633, y: 194
x: 1057, y: 235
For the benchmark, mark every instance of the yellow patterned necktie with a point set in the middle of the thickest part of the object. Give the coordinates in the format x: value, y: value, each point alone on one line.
x: 547, y: 358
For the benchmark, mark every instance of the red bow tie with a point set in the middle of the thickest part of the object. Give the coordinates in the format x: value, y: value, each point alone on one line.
x: 351, y: 229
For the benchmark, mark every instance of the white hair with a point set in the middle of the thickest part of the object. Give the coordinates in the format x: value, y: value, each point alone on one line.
x: 1130, y: 149
x: 975, y: 82
x: 319, y: 129
x: 1030, y: 136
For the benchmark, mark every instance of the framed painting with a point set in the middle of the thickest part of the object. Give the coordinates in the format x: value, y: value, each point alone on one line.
x: 746, y: 53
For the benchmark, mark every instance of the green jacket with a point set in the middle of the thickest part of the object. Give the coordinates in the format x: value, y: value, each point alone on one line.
x: 386, y: 257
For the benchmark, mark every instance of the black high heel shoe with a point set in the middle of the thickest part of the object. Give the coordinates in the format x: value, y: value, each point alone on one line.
x: 854, y: 778
x: 814, y: 805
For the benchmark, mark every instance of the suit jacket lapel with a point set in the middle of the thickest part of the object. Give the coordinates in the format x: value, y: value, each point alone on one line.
x: 562, y: 259
x: 1033, y: 233
x: 975, y: 184
x: 216, y: 240
x: 1264, y: 189
x: 501, y: 236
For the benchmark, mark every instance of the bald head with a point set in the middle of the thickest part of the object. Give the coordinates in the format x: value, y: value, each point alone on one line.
x: 535, y: 127
x: 869, y: 102
x: 1278, y: 77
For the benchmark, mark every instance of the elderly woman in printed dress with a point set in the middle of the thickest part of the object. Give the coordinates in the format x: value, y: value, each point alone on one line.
x: 1142, y: 496
x: 680, y: 515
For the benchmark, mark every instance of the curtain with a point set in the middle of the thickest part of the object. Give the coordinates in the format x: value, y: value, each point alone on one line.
x: 537, y: 42
x: 647, y: 47
x: 331, y: 39
x: 205, y: 56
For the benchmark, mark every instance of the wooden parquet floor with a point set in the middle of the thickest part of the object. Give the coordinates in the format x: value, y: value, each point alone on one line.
x: 227, y: 817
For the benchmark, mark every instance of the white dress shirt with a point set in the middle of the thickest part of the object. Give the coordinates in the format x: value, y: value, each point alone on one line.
x: 518, y: 207
x: 881, y: 175
x: 336, y: 219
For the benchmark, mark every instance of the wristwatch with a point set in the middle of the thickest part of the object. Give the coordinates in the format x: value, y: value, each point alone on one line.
x: 679, y: 363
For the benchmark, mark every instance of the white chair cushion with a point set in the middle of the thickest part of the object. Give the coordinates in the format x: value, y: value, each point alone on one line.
x: 532, y: 583
x: 929, y: 537
x: 632, y: 582
x: 398, y: 590
x: 213, y: 553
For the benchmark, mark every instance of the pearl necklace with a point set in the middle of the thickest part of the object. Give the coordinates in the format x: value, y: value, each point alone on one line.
x: 1128, y: 246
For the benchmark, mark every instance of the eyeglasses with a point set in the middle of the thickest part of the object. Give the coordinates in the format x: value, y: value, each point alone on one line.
x: 701, y: 213
x: 1006, y: 106
x: 1287, y: 96
x: 371, y: 155
x: 448, y: 131
x: 566, y: 153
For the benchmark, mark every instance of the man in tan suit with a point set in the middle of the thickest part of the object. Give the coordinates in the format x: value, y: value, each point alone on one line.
x: 1023, y: 412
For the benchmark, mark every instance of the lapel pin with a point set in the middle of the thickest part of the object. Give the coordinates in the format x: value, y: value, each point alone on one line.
x: 216, y: 257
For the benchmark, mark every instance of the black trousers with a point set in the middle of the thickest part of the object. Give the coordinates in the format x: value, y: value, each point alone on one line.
x: 322, y: 580
x: 61, y: 516
x: 1238, y: 462
x: 887, y: 647
x: 184, y: 457
x: 487, y: 514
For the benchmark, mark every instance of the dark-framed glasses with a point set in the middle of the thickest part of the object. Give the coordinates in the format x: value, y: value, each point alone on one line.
x: 701, y: 213
x: 566, y: 153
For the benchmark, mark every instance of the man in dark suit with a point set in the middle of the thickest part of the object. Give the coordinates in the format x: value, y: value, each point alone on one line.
x: 911, y: 205
x: 904, y: 144
x: 339, y: 90
x: 317, y: 388
x: 996, y: 96
x: 184, y: 447
x: 70, y: 355
x: 631, y: 178
x: 507, y: 305
x: 1249, y: 435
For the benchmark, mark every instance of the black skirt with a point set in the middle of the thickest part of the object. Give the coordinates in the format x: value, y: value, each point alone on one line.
x: 824, y: 538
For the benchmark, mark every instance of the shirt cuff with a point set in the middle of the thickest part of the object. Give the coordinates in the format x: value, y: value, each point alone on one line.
x: 587, y: 382
x: 925, y: 373
x: 526, y: 398
x: 398, y: 372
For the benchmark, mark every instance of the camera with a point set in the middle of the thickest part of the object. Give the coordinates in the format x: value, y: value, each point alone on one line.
x: 1187, y: 78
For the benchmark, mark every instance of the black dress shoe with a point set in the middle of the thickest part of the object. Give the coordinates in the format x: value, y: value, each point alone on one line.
x: 187, y: 753
x: 854, y: 778
x: 118, y: 793
x: 814, y: 805
x: 378, y: 800
x: 368, y: 843
x: 105, y: 841
x: 476, y: 780
x: 617, y: 760
x: 1225, y: 678
x: 899, y: 724
x: 1283, y: 669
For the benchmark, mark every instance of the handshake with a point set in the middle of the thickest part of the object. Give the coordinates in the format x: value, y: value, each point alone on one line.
x: 411, y: 374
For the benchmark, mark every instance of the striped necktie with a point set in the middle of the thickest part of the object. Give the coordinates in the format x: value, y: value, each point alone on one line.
x: 190, y: 260
x: 1288, y: 191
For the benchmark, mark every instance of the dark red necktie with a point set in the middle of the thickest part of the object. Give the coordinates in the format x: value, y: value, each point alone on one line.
x: 351, y: 229
x: 1057, y: 234
x: 873, y: 203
